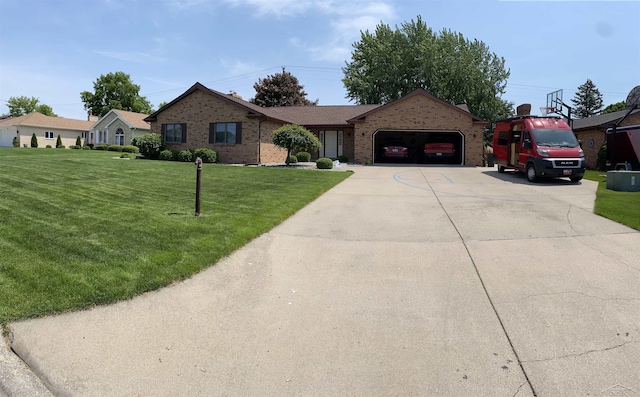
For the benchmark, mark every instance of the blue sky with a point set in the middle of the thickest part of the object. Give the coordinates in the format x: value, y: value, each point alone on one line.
x: 53, y: 50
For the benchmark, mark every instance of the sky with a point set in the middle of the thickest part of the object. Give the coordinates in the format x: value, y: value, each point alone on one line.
x: 55, y: 49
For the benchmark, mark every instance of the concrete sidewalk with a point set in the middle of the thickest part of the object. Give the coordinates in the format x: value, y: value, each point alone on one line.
x: 410, y: 280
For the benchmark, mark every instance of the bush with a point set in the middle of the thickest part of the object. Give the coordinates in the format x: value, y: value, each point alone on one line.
x: 78, y: 141
x: 305, y: 157
x: 61, y: 147
x: 293, y: 159
x: 15, y: 142
x: 59, y: 142
x: 150, y: 145
x: 88, y: 147
x: 46, y: 147
x: 114, y: 148
x: 102, y: 146
x: 125, y: 156
x: 34, y: 140
x: 166, y: 155
x: 76, y: 147
x: 207, y: 155
x: 185, y: 155
x: 324, y: 163
x: 343, y: 159
x: 130, y: 149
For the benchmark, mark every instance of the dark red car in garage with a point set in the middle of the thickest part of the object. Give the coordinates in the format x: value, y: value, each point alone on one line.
x: 395, y: 150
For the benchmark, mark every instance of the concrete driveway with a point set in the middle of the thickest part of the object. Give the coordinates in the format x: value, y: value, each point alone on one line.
x: 408, y: 281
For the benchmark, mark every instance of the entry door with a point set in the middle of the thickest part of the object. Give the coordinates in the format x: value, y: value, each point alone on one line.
x: 331, y: 144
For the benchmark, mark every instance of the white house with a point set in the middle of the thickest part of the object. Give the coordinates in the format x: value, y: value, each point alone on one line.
x: 46, y: 129
x: 118, y: 127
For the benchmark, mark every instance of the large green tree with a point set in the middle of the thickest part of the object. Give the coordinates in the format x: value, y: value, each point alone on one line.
x: 280, y: 89
x: 115, y: 91
x: 295, y: 137
x: 615, y: 107
x: 390, y: 63
x: 22, y: 105
x: 587, y: 101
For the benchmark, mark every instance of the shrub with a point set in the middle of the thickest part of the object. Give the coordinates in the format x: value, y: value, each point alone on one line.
x: 114, y: 148
x: 88, y: 147
x: 47, y: 147
x: 130, y: 149
x: 102, y: 146
x: 61, y: 147
x: 293, y: 138
x: 324, y: 163
x: 304, y: 156
x: 185, y: 155
x: 58, y: 142
x: 15, y: 142
x: 34, y: 140
x: 292, y: 159
x: 76, y: 147
x: 207, y: 155
x: 78, y: 141
x: 150, y: 145
x: 343, y: 159
x: 125, y: 156
x: 166, y: 155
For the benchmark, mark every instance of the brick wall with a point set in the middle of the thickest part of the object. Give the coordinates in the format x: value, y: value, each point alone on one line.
x: 598, y: 136
x: 418, y: 113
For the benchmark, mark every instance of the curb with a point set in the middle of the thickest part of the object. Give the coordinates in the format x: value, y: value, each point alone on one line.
x: 16, y: 378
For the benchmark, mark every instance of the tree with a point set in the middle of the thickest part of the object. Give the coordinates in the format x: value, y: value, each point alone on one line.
x: 390, y: 63
x: 58, y: 142
x: 161, y: 104
x: 22, y: 105
x: 115, y: 91
x: 615, y: 107
x: 34, y: 140
x: 280, y: 89
x: 295, y: 137
x: 587, y: 101
x: 78, y: 141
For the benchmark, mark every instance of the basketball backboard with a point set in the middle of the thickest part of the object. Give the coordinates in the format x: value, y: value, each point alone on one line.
x: 554, y: 102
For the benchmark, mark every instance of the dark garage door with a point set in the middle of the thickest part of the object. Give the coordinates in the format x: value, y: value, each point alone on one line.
x: 415, y: 142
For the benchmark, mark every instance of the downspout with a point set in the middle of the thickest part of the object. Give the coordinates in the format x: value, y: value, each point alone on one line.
x: 260, y: 141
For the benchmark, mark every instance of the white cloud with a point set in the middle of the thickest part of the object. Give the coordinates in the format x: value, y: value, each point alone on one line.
x: 139, y: 57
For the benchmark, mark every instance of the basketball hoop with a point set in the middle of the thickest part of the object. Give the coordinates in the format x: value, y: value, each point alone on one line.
x: 545, y: 111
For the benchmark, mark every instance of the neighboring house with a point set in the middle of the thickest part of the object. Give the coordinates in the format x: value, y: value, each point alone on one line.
x: 241, y: 132
x: 591, y: 131
x: 46, y: 128
x: 118, y: 127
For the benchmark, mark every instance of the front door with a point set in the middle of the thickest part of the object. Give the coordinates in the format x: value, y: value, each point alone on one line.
x: 331, y: 144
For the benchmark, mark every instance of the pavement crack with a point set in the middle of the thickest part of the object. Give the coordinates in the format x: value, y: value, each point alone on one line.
x: 569, y: 220
x: 581, y: 354
x: 520, y: 387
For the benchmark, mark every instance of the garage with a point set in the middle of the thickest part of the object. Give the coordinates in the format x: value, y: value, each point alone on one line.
x: 418, y: 147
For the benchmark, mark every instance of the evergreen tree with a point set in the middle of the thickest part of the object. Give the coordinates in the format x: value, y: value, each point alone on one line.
x: 615, y: 107
x: 281, y: 89
x: 34, y: 140
x: 588, y: 100
x: 58, y: 142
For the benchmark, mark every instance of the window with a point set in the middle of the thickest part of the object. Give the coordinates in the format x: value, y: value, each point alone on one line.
x: 48, y: 134
x: 119, y: 137
x: 225, y: 133
x: 502, y: 138
x: 174, y: 133
x: 84, y: 135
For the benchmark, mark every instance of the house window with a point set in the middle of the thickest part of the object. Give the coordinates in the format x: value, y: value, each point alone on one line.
x: 119, y: 137
x: 84, y: 135
x: 174, y: 133
x: 48, y: 134
x: 225, y: 133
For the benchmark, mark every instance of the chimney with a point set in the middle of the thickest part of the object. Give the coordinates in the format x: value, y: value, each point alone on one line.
x: 523, y: 109
x: 91, y: 117
x: 234, y: 94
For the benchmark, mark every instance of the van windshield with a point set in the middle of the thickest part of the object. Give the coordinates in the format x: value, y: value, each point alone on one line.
x: 555, y: 138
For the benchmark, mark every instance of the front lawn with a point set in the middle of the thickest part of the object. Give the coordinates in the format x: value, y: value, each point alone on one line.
x: 83, y: 228
x: 622, y: 207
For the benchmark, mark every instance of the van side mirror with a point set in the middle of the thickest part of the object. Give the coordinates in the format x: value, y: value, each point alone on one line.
x: 580, y: 143
x: 526, y: 144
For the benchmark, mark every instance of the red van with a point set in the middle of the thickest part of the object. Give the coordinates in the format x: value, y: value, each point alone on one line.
x: 538, y: 146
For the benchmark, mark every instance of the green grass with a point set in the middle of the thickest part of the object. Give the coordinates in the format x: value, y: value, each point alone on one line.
x: 622, y: 207
x: 82, y: 228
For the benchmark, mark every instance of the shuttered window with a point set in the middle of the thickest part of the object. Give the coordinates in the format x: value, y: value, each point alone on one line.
x: 225, y: 133
x: 174, y: 133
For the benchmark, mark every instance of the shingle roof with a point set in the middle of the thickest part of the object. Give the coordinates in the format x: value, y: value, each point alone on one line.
x: 601, y: 120
x: 136, y: 120
x: 36, y: 119
x: 318, y: 115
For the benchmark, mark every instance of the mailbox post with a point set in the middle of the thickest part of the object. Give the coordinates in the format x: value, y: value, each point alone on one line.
x: 198, y: 178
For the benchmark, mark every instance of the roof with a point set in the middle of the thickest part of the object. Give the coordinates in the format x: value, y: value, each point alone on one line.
x: 132, y: 119
x: 423, y: 92
x: 36, y: 119
x: 601, y: 120
x: 338, y: 115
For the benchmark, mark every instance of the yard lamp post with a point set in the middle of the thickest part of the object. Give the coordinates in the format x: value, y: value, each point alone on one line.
x: 198, y: 178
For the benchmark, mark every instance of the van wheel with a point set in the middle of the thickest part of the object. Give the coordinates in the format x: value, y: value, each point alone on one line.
x: 576, y: 179
x: 531, y: 173
x: 501, y: 169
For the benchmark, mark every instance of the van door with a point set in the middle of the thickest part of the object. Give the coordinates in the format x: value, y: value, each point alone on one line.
x: 515, y: 144
x: 525, y: 153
